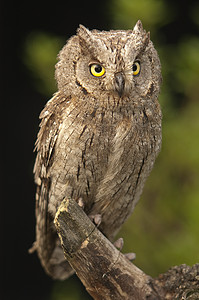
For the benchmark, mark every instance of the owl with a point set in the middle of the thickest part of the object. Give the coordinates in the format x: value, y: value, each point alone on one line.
x: 99, y: 134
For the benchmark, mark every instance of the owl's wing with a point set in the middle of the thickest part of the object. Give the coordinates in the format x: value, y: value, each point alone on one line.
x: 47, y: 243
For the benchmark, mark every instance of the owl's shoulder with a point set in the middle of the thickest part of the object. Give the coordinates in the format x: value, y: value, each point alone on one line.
x: 51, y: 120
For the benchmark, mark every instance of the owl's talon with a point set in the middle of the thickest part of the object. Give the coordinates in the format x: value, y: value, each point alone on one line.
x: 119, y: 243
x: 130, y: 256
x: 97, y: 219
x: 80, y: 202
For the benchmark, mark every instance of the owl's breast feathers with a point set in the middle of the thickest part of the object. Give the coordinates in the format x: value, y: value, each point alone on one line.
x: 101, y: 155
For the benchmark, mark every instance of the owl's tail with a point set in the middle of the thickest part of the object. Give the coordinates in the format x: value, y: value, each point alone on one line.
x: 47, y: 242
x: 55, y: 265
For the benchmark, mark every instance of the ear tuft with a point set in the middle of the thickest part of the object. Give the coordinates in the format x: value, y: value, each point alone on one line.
x: 83, y: 32
x: 138, y: 27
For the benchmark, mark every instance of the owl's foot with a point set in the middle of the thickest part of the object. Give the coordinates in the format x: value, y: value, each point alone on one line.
x: 80, y: 202
x: 130, y: 256
x: 96, y: 219
x: 119, y: 244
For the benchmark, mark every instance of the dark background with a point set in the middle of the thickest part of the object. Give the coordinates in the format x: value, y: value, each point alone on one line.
x: 23, y: 277
x: 21, y: 103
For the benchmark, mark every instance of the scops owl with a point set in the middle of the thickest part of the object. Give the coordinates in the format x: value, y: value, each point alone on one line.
x: 99, y: 135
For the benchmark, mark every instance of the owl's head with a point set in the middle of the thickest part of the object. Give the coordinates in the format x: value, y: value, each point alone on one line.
x: 101, y: 63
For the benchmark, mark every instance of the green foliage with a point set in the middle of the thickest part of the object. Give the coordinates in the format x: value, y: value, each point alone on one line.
x: 187, y: 67
x: 40, y: 53
x: 127, y: 12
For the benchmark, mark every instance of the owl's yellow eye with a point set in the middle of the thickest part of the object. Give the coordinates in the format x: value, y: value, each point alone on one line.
x: 136, y: 68
x: 97, y: 70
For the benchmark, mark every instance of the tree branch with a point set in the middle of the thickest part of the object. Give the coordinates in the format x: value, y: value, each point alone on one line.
x: 105, y: 272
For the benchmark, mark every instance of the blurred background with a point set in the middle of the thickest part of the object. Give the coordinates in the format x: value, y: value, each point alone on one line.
x: 164, y: 228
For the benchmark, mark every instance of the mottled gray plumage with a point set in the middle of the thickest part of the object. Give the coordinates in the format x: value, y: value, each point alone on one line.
x: 99, y: 135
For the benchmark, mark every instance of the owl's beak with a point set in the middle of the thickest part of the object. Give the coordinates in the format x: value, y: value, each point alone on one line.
x: 119, y: 83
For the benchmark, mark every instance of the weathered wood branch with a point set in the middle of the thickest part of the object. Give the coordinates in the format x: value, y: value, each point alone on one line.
x: 105, y: 271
